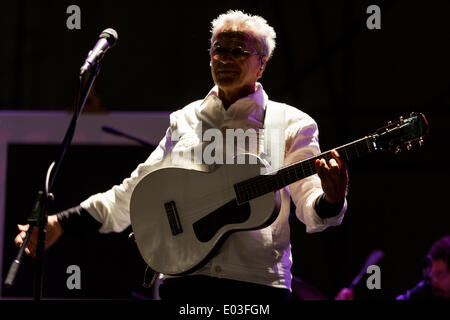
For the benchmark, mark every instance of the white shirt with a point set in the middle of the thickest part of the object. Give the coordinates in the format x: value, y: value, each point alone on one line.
x: 260, y: 256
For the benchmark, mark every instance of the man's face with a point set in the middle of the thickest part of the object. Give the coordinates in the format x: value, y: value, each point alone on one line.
x: 440, y: 279
x: 235, y: 61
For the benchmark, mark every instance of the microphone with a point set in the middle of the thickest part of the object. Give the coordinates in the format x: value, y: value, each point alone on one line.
x: 107, y: 40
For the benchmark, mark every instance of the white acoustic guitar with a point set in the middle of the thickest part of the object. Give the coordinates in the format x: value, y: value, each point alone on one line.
x: 181, y: 216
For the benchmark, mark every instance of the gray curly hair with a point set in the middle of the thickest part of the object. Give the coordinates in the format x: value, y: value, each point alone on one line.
x: 256, y: 25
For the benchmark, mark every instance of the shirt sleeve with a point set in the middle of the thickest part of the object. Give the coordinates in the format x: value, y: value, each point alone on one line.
x: 112, y: 208
x: 302, y: 142
x: 75, y: 220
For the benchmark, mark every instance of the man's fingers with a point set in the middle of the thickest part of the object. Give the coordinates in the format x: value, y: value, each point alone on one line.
x: 323, y: 171
x: 342, y: 172
x: 18, y: 241
x: 333, y: 165
x: 326, y: 170
x: 23, y: 227
x: 319, y: 167
x: 333, y: 175
x: 337, y: 157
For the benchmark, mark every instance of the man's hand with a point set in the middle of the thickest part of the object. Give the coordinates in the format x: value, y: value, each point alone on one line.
x: 54, y: 231
x: 334, y: 177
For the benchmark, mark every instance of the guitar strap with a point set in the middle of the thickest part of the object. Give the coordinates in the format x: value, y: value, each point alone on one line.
x: 274, y: 124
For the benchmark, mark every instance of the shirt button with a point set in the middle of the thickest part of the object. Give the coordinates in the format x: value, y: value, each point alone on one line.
x: 218, y: 269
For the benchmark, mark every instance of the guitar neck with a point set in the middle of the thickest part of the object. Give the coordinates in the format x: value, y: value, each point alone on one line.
x: 260, y: 185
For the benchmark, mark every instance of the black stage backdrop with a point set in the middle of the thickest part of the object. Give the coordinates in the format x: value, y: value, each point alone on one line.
x: 349, y: 78
x: 110, y: 264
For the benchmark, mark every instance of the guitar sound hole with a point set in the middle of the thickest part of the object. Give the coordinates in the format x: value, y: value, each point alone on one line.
x: 230, y: 213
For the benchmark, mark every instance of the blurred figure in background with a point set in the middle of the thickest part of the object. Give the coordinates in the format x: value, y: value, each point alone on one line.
x: 436, y: 283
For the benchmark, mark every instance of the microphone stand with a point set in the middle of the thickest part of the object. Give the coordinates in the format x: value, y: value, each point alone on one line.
x: 119, y: 133
x: 39, y: 213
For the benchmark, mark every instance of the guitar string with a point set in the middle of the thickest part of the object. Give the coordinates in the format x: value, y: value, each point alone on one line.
x: 260, y: 185
x: 266, y: 182
x: 263, y: 184
x: 249, y: 184
x: 252, y: 190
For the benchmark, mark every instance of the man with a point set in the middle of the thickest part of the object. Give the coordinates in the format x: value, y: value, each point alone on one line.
x: 250, y: 264
x: 436, y: 284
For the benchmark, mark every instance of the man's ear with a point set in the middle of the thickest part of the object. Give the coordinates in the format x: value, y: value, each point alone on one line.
x: 262, y: 67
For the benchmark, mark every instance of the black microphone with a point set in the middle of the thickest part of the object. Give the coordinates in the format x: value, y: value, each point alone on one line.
x: 107, y: 40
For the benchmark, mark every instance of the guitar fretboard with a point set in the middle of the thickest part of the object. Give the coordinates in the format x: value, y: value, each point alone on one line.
x: 260, y: 185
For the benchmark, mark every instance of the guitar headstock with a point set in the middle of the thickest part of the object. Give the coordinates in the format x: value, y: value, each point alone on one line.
x: 405, y: 133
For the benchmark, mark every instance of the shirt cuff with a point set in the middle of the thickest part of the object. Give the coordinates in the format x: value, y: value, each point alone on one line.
x: 325, y: 209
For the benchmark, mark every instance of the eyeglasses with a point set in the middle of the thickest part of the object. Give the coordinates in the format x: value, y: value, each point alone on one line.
x: 237, y: 53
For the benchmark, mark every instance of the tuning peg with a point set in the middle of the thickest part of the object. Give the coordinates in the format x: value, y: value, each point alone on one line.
x: 398, y: 150
x: 389, y: 123
x: 409, y: 146
x: 421, y: 142
x: 401, y: 118
x: 413, y: 114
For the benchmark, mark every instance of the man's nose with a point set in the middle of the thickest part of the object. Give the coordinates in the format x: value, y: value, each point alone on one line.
x: 226, y: 57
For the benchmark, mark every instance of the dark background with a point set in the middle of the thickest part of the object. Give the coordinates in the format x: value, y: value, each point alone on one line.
x: 350, y: 79
x: 110, y: 264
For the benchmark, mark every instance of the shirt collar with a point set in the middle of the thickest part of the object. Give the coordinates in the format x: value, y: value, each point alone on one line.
x: 259, y: 96
x: 247, y: 112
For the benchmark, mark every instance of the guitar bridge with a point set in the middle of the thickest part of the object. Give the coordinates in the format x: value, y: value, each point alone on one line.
x: 172, y: 216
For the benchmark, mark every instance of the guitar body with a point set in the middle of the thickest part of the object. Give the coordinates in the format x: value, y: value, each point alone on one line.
x: 181, y: 216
